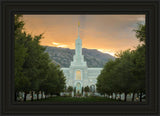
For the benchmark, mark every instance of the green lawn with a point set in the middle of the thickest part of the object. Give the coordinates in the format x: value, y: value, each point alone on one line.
x: 80, y: 99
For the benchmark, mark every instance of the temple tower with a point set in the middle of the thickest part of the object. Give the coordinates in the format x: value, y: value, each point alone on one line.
x: 78, y: 58
x: 78, y: 75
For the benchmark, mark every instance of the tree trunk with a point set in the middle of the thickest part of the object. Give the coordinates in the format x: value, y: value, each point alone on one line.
x: 140, y: 96
x: 15, y: 96
x: 58, y: 94
x: 125, y: 98
x: 111, y: 96
x: 120, y: 96
x: 133, y: 96
x: 32, y: 96
x: 115, y: 96
x: 37, y: 95
x: 41, y: 94
x: 25, y: 95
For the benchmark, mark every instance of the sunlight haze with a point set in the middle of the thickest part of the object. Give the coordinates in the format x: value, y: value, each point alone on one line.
x: 106, y: 33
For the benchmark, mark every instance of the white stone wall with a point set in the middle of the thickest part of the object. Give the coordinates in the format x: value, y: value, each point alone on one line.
x: 89, y: 76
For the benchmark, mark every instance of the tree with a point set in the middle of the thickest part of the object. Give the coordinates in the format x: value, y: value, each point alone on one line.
x: 104, y: 80
x: 127, y: 72
x: 141, y: 32
x: 20, y: 54
x: 86, y: 89
x: 61, y: 81
x: 70, y: 89
x: 125, y: 76
x: 139, y: 69
x: 54, y: 81
x: 35, y: 61
x: 116, y: 76
x: 32, y: 64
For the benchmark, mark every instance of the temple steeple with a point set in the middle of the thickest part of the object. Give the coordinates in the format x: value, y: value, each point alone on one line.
x: 78, y: 28
x: 78, y: 58
x: 78, y: 46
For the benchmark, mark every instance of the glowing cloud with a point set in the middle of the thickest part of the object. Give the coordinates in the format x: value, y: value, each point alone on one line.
x: 62, y: 46
x: 106, y: 51
x: 59, y: 45
x: 54, y: 43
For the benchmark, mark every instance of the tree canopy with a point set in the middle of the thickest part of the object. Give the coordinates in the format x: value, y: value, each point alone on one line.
x: 126, y: 73
x: 33, y: 68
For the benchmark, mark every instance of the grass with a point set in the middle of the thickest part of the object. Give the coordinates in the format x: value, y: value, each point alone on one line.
x: 79, y: 99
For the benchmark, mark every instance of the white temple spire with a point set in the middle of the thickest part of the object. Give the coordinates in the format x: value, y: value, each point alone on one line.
x: 78, y: 58
x: 78, y: 43
x: 78, y: 28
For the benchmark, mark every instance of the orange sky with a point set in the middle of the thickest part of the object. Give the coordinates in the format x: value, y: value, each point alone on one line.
x: 106, y: 33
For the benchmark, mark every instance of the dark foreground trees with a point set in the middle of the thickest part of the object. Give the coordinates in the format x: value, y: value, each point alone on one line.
x: 54, y: 82
x: 34, y: 71
x: 126, y: 74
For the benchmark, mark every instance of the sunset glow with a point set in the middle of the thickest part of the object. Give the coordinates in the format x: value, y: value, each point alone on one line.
x: 106, y: 33
x: 59, y: 45
x: 106, y: 51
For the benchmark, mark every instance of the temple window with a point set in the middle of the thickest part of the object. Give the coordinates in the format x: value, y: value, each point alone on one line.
x: 78, y: 75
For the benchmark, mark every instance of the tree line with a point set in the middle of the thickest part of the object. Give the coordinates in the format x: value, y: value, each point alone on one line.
x: 125, y: 74
x: 34, y: 71
x: 71, y: 89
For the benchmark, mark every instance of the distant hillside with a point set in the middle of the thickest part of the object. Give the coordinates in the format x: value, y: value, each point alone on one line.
x: 64, y: 56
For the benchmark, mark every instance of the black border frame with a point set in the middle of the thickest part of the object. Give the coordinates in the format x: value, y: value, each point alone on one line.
x: 148, y: 7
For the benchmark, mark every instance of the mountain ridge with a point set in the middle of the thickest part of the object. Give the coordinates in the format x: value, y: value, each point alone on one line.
x: 64, y: 56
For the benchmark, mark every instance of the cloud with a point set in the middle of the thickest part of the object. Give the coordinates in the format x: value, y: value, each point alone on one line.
x: 59, y: 45
x: 106, y: 32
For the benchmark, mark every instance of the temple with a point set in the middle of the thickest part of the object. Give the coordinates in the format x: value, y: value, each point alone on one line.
x: 78, y: 75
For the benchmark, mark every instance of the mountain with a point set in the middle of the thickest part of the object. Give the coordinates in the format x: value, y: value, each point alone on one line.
x: 64, y: 56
